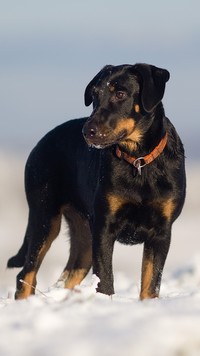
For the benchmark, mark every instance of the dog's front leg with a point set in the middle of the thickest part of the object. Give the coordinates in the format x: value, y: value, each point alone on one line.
x: 103, y: 244
x: 154, y: 257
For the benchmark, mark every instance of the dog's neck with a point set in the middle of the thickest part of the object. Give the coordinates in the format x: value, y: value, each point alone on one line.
x: 145, y: 144
x: 140, y: 162
x: 148, y: 131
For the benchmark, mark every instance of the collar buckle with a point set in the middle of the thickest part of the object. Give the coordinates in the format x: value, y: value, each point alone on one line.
x: 139, y: 163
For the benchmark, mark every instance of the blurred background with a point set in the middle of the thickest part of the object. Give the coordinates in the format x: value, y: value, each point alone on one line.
x: 49, y: 51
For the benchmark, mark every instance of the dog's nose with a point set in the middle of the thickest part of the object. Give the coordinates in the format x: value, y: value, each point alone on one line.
x: 92, y: 131
x: 89, y: 131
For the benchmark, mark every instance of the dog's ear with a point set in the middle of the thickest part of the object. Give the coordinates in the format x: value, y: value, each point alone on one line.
x: 153, y: 81
x: 88, y: 90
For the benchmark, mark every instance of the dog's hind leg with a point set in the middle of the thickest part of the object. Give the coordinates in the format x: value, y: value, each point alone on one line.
x: 80, y: 258
x: 41, y: 231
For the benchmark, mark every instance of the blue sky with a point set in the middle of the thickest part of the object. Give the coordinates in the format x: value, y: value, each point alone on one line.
x: 50, y: 50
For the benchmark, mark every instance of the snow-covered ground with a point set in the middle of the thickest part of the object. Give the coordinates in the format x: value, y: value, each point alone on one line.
x: 61, y: 323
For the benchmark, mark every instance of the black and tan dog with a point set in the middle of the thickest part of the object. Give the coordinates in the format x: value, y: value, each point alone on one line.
x: 117, y: 175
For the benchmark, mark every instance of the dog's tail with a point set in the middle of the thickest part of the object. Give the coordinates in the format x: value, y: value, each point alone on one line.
x: 19, y: 259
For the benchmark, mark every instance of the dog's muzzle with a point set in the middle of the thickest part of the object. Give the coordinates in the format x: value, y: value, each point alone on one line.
x: 94, y: 136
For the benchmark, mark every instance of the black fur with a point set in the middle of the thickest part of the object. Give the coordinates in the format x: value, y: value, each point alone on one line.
x: 74, y: 171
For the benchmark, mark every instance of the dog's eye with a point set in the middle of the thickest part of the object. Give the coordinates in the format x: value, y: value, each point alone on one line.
x: 120, y: 95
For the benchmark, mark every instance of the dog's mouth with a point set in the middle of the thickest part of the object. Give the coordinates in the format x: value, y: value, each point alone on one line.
x: 103, y: 140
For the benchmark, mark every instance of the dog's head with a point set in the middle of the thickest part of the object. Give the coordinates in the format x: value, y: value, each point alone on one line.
x: 122, y: 96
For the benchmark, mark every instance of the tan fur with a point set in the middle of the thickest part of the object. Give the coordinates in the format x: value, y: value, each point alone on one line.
x: 168, y: 208
x: 30, y: 278
x: 125, y: 124
x: 75, y: 277
x: 137, y: 108
x: 165, y: 206
x: 135, y: 136
x: 131, y: 141
x: 28, y: 283
x: 115, y: 202
x: 147, y: 275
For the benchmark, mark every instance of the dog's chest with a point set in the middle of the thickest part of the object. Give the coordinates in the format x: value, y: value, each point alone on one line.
x: 137, y: 214
x: 136, y: 223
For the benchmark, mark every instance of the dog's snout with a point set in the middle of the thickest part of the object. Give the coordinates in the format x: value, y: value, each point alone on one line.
x: 95, y: 135
x: 92, y: 131
x: 89, y: 131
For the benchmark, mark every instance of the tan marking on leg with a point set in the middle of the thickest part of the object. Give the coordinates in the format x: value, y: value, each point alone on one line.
x: 28, y: 284
x: 115, y: 202
x: 54, y: 231
x: 168, y: 208
x: 30, y: 277
x: 72, y: 275
x: 75, y: 277
x: 147, y: 275
x: 62, y: 279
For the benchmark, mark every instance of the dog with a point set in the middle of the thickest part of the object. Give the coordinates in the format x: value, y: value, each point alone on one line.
x: 118, y: 175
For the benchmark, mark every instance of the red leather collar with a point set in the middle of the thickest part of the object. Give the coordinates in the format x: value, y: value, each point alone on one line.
x: 140, y: 162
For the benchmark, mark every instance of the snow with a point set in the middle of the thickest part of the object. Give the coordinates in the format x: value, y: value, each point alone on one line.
x: 82, y: 322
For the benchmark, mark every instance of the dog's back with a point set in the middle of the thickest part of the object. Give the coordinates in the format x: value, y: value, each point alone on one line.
x: 61, y: 164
